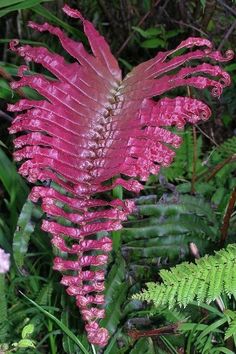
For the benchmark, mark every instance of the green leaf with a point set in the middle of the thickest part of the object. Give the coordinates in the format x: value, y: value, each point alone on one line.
x: 211, y: 329
x: 231, y: 330
x: 27, y: 330
x: 20, y: 5
x: 230, y: 67
x: 14, y: 184
x: 15, y: 187
x: 173, y: 33
x: 5, y: 90
x: 6, y: 3
x: 116, y: 294
x: 153, y: 31
x: 144, y: 346
x: 153, y: 43
x: 60, y: 324
x: 190, y: 326
x: 25, y: 228
x: 126, y: 64
x: 203, y: 3
x: 220, y: 350
x: 150, y: 32
x: 67, y: 343
x: 26, y: 343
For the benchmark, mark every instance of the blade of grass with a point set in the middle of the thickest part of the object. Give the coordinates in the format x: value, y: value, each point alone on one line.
x: 65, y: 329
x: 26, y: 4
x: 211, y: 329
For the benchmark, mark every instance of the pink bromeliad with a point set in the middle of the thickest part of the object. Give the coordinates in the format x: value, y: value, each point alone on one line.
x: 94, y: 127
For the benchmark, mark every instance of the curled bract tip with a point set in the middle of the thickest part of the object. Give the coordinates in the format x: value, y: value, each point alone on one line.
x: 13, y: 44
x: 217, y: 91
x: 21, y: 70
x: 229, y: 54
x: 72, y: 12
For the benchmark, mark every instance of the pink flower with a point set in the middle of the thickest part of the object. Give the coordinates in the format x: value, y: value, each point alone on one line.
x: 4, y: 261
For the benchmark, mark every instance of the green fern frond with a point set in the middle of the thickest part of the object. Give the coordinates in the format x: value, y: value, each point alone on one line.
x: 205, y: 281
x: 45, y: 294
x: 231, y: 330
x: 182, y: 165
x: 228, y: 148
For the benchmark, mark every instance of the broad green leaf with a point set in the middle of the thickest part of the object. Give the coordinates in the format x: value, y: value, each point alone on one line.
x: 203, y: 3
x: 173, y: 33
x: 14, y: 184
x: 5, y: 236
x: 144, y: 346
x: 153, y: 43
x: 153, y: 31
x: 5, y: 90
x: 27, y: 330
x: 25, y: 228
x: 26, y: 343
x: 116, y: 294
x: 230, y: 67
x: 209, y: 308
x: 150, y: 32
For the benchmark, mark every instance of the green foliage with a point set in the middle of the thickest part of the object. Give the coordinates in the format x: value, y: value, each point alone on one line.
x: 25, y: 227
x: 231, y: 331
x: 205, y: 281
x: 227, y: 148
x: 60, y: 324
x: 7, y: 6
x: 182, y: 167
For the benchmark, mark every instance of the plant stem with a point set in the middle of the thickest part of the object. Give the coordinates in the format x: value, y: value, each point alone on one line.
x: 170, y: 329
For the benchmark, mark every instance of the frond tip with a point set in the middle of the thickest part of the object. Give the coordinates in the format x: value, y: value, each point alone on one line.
x: 91, y: 127
x: 204, y: 281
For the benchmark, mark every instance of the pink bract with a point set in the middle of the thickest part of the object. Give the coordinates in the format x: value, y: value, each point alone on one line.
x: 94, y: 127
x: 4, y: 261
